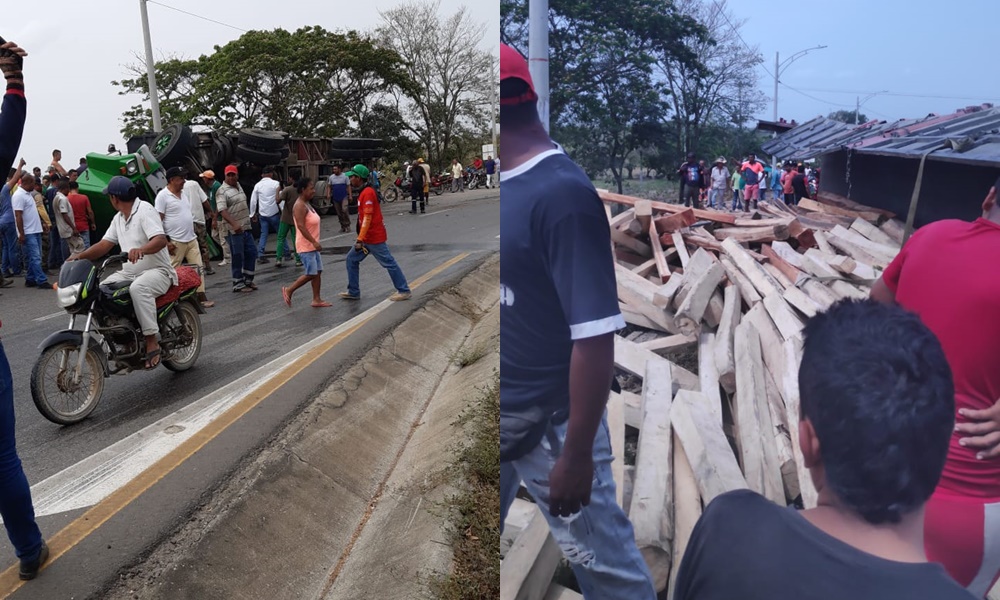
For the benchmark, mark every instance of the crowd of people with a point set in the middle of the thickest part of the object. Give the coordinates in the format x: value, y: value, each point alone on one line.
x: 899, y: 418
x: 746, y: 184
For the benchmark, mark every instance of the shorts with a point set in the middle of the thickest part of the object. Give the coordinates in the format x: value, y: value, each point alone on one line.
x: 312, y: 261
x: 751, y: 192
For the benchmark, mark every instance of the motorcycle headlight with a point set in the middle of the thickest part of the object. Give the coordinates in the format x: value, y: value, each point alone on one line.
x: 67, y: 296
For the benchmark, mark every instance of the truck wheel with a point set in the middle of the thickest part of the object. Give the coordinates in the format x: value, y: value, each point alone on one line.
x: 172, y: 144
x: 262, y: 139
x: 258, y: 157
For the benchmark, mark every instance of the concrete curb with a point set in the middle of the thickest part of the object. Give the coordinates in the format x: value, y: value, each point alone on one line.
x: 343, y: 505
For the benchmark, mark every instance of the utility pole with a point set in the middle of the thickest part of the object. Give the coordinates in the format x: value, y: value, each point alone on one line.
x: 154, y: 97
x: 775, y: 87
x: 538, y: 54
x: 779, y: 67
x: 857, y: 109
x: 493, y: 111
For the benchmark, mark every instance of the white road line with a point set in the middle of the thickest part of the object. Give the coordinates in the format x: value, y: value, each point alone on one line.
x: 52, y: 316
x: 96, y: 477
x: 330, y: 239
x: 437, y: 212
x: 498, y: 237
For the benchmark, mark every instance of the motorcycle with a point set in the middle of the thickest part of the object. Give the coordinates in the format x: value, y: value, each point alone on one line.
x: 475, y: 179
x: 67, y: 380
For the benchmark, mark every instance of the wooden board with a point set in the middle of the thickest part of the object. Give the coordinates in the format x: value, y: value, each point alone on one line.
x: 873, y: 233
x: 753, y: 421
x: 704, y: 215
x: 725, y: 362
x: 788, y: 324
x: 829, y: 197
x: 676, y: 222
x: 819, y: 268
x: 766, y: 233
x: 638, y: 294
x: 823, y: 242
x: 631, y: 407
x: 518, y: 516
x: 670, y: 343
x: 632, y: 358
x: 828, y: 209
x: 682, y: 251
x: 793, y: 273
x: 705, y: 444
x: 616, y: 429
x: 894, y: 228
x: 801, y: 301
x: 689, y: 314
x: 708, y: 375
x: 663, y: 297
x: 687, y: 509
x: 623, y: 239
x: 634, y: 317
x: 645, y: 268
x: 802, y: 234
x: 764, y: 283
x: 856, y: 252
x: 651, y: 511
x: 623, y: 218
x: 783, y: 282
x: 747, y: 291
x: 658, y: 254
x: 789, y: 387
x: 526, y: 572
x: 782, y: 443
x: 558, y: 592
x: 878, y: 250
x: 643, y: 213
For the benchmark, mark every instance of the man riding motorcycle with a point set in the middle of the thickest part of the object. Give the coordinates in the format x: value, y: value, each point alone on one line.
x: 137, y: 228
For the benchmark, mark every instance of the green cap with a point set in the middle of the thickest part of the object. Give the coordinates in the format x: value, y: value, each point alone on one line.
x: 359, y: 171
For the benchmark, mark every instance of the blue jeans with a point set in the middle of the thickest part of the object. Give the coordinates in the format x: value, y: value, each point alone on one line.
x: 15, y: 495
x: 737, y: 199
x: 33, y: 256
x: 86, y: 238
x: 381, y: 254
x: 267, y: 225
x: 244, y: 258
x: 56, y: 257
x: 598, y: 541
x: 11, y: 250
x: 717, y: 198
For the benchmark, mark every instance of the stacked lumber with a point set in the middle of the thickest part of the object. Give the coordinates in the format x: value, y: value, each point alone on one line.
x: 715, y: 304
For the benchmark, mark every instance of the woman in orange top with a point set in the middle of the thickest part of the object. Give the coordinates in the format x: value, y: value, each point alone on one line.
x: 307, y: 245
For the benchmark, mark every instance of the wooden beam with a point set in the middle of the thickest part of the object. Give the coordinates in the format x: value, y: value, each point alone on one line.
x: 670, y: 343
x: 789, y: 385
x: 819, y: 268
x: 675, y: 222
x: 793, y: 273
x: 828, y: 209
x: 823, y: 242
x: 873, y: 233
x: 623, y: 239
x: 643, y: 213
x: 689, y: 314
x: 526, y: 572
x: 658, y: 255
x: 708, y: 374
x: 805, y: 236
x: 857, y: 253
x: 663, y: 297
x: 704, y: 215
x: 701, y: 239
x: 645, y: 268
x: 894, y: 228
x: 782, y: 443
x: 764, y: 283
x: 783, y: 282
x: 725, y: 362
x: 616, y: 430
x: 624, y: 217
x: 829, y: 197
x: 760, y: 463
x: 747, y: 291
x: 767, y: 233
x: 518, y: 516
x: 651, y: 512
x: 867, y: 245
x: 788, y: 324
x: 711, y: 458
x: 558, y: 592
x: 638, y: 293
x: 634, y: 317
x: 632, y: 358
x: 687, y: 509
x: 697, y: 265
x: 682, y: 251
x: 802, y: 302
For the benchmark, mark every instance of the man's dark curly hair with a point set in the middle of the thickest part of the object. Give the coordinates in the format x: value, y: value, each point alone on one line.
x: 876, y: 386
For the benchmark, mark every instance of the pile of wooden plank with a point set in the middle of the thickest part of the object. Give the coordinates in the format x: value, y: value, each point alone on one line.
x: 715, y: 304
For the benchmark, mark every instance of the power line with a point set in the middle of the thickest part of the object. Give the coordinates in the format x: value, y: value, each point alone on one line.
x: 904, y: 95
x: 191, y: 14
x: 798, y: 91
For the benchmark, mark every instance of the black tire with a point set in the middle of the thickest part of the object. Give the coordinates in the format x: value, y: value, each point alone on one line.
x: 44, y: 390
x: 391, y: 195
x: 354, y: 143
x: 182, y: 359
x: 172, y: 144
x: 284, y: 152
x: 262, y: 139
x: 258, y: 157
x: 437, y: 189
x: 192, y: 165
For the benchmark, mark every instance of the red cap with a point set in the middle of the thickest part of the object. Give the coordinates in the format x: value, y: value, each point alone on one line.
x: 232, y: 169
x: 514, y: 66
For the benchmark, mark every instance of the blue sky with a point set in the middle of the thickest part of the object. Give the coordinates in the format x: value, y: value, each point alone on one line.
x: 941, y: 52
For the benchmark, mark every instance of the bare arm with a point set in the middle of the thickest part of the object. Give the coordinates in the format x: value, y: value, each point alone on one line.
x: 881, y: 293
x: 94, y: 252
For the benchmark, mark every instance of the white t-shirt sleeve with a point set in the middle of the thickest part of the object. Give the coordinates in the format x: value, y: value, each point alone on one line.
x: 111, y: 235
x: 152, y: 226
x: 160, y: 203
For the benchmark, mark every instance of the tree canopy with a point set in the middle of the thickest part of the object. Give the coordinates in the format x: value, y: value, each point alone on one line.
x: 848, y: 116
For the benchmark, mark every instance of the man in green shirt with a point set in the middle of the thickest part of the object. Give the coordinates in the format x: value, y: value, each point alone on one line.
x: 214, y: 227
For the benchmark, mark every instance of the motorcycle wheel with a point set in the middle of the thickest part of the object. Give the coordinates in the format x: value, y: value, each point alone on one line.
x: 182, y: 358
x: 392, y: 195
x: 55, y: 396
x: 438, y: 190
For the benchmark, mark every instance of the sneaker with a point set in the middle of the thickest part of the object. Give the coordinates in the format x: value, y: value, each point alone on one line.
x: 298, y: 263
x: 6, y: 282
x: 239, y: 288
x: 30, y: 283
x: 278, y: 264
x: 400, y: 296
x: 413, y: 212
x: 29, y: 568
x: 349, y: 296
x: 44, y: 286
x: 262, y: 260
x: 223, y: 263
x: 210, y: 271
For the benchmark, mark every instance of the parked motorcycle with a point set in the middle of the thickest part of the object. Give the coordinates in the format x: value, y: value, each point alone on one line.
x: 68, y: 378
x: 475, y: 179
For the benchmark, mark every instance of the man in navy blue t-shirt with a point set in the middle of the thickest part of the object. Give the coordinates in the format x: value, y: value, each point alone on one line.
x: 558, y: 317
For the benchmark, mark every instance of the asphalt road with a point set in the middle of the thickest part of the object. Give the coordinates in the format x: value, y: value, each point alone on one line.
x: 242, y: 332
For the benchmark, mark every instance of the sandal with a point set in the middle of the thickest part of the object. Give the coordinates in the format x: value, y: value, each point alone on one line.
x: 152, y: 359
x: 251, y: 285
x: 323, y: 304
x: 286, y: 296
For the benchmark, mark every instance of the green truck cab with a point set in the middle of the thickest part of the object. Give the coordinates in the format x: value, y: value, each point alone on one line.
x: 140, y: 166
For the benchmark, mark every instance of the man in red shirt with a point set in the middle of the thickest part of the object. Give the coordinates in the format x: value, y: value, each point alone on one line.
x: 371, y: 240
x: 948, y: 274
x: 83, y: 214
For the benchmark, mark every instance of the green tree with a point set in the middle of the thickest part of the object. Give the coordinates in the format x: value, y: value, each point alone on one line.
x: 848, y: 116
x: 311, y: 82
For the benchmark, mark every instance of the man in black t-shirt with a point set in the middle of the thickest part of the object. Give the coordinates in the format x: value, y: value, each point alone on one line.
x: 558, y: 317
x: 877, y: 413
x: 800, y: 184
x: 693, y: 179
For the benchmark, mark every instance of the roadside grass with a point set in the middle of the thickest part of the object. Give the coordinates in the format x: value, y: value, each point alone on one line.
x: 653, y: 189
x: 467, y: 356
x: 474, y: 527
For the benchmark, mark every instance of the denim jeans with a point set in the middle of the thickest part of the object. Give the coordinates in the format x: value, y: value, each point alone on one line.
x: 737, y: 199
x: 598, y: 542
x: 381, y: 254
x: 55, y: 258
x: 244, y: 255
x: 33, y: 256
x: 15, y: 495
x: 717, y: 198
x: 11, y: 250
x: 86, y: 238
x: 267, y: 225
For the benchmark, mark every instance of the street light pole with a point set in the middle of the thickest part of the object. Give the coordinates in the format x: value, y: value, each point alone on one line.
x: 779, y: 68
x: 538, y: 54
x: 775, y: 87
x: 859, y: 102
x: 154, y: 98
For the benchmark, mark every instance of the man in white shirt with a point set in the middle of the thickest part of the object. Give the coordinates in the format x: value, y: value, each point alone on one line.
x: 720, y: 184
x: 138, y: 230
x: 178, y: 224
x: 456, y: 176
x: 264, y: 206
x: 198, y: 200
x: 29, y: 233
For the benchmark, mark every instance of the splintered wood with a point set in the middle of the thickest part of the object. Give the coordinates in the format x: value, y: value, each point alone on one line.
x: 715, y: 305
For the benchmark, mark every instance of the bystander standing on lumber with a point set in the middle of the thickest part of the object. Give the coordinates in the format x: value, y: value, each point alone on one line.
x: 949, y: 275
x: 559, y: 314
x: 874, y: 443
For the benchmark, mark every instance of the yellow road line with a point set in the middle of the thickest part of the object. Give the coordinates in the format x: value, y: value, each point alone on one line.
x: 78, y: 530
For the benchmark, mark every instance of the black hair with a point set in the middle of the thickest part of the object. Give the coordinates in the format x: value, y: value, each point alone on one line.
x: 63, y: 185
x: 74, y: 185
x: 876, y: 386
x: 302, y: 184
x: 801, y: 168
x: 517, y: 115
